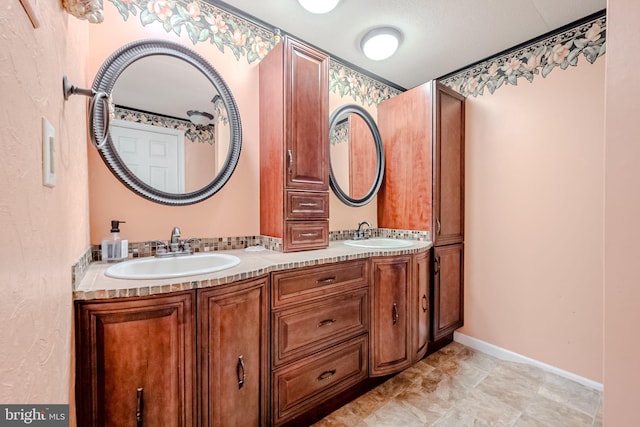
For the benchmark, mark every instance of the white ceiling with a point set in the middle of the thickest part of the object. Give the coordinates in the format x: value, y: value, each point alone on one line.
x: 439, y: 36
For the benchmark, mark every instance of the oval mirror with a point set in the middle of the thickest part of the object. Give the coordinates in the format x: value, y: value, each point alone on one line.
x: 175, y: 133
x: 357, y: 156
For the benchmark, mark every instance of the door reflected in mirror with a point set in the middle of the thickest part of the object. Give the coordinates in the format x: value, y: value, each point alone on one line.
x: 357, y: 160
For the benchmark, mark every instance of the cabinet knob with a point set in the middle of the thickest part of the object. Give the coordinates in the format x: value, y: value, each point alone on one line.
x: 240, y: 372
x: 139, y: 406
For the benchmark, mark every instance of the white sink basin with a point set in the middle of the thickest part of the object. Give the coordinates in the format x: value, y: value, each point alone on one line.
x: 179, y: 266
x: 379, y: 243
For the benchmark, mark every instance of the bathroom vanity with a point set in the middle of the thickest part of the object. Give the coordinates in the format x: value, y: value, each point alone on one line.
x: 265, y: 342
x: 282, y: 337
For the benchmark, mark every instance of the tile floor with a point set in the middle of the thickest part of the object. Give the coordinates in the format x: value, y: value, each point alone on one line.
x: 458, y: 386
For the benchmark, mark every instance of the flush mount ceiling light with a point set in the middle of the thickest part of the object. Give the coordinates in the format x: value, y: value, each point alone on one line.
x: 380, y: 43
x: 319, y: 6
x: 199, y: 118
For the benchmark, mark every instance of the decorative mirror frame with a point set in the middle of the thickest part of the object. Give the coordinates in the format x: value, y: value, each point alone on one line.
x: 338, y: 115
x: 105, y: 80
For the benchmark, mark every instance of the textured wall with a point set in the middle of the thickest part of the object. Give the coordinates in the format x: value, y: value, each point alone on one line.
x: 622, y: 210
x: 534, y: 218
x: 44, y: 230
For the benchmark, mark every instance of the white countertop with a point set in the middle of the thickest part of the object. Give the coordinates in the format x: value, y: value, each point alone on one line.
x: 95, y: 285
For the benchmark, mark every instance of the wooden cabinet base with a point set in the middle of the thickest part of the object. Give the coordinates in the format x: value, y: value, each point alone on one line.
x: 136, y: 361
x: 302, y: 385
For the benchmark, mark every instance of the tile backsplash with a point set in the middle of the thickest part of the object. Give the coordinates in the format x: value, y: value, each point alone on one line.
x: 145, y: 249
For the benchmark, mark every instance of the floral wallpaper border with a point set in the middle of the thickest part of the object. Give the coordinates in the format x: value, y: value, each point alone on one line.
x: 347, y: 82
x: 204, y: 22
x: 192, y: 133
x: 561, y: 50
x: 339, y: 133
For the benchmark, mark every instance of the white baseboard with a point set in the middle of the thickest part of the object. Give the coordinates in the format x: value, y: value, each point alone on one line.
x: 510, y: 356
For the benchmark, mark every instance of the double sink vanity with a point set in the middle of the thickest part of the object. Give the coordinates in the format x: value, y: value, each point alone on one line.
x: 280, y: 336
x: 262, y: 341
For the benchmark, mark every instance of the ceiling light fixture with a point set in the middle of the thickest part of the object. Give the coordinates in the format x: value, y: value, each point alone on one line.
x: 380, y: 43
x: 319, y: 6
x: 199, y: 118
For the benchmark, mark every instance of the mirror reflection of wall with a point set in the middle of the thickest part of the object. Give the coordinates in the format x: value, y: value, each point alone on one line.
x: 356, y: 153
x: 169, y: 129
x: 353, y: 156
x: 177, y: 134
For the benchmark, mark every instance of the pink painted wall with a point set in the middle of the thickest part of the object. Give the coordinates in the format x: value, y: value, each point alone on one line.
x: 622, y: 210
x: 234, y: 210
x: 44, y: 230
x: 534, y: 218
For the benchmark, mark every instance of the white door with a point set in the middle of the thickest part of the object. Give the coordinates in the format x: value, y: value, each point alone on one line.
x: 154, y: 154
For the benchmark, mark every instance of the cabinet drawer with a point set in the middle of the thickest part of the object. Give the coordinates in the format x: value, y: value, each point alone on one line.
x: 303, y: 330
x: 311, y: 283
x: 307, y: 383
x: 304, y: 235
x: 307, y: 205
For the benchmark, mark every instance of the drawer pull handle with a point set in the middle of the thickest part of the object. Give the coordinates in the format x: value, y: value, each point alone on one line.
x: 327, y: 280
x: 395, y: 314
x: 326, y: 374
x: 240, y: 372
x: 425, y: 303
x: 437, y: 265
x: 139, y: 406
x: 309, y: 205
x: 438, y: 226
x: 326, y: 322
x: 290, y: 158
x: 308, y: 234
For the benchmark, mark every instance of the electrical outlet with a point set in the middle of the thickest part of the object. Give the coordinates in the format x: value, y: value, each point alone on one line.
x: 48, y: 154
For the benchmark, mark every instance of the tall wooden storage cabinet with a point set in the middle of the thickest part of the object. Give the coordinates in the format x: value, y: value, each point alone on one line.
x: 423, y: 135
x: 294, y: 146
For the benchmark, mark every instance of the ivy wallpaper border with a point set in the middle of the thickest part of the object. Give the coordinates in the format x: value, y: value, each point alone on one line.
x: 560, y: 50
x: 230, y: 32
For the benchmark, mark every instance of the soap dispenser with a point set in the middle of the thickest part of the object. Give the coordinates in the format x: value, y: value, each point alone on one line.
x: 113, y: 247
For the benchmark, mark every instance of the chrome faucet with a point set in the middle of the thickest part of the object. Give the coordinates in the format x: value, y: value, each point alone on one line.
x: 174, y: 240
x: 174, y: 246
x: 361, y: 233
x: 175, y: 235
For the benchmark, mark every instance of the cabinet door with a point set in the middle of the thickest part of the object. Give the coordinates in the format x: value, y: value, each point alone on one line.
x: 233, y: 331
x: 448, y: 167
x: 390, y: 323
x: 307, y: 131
x: 447, y: 290
x: 420, y: 304
x: 135, y: 362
